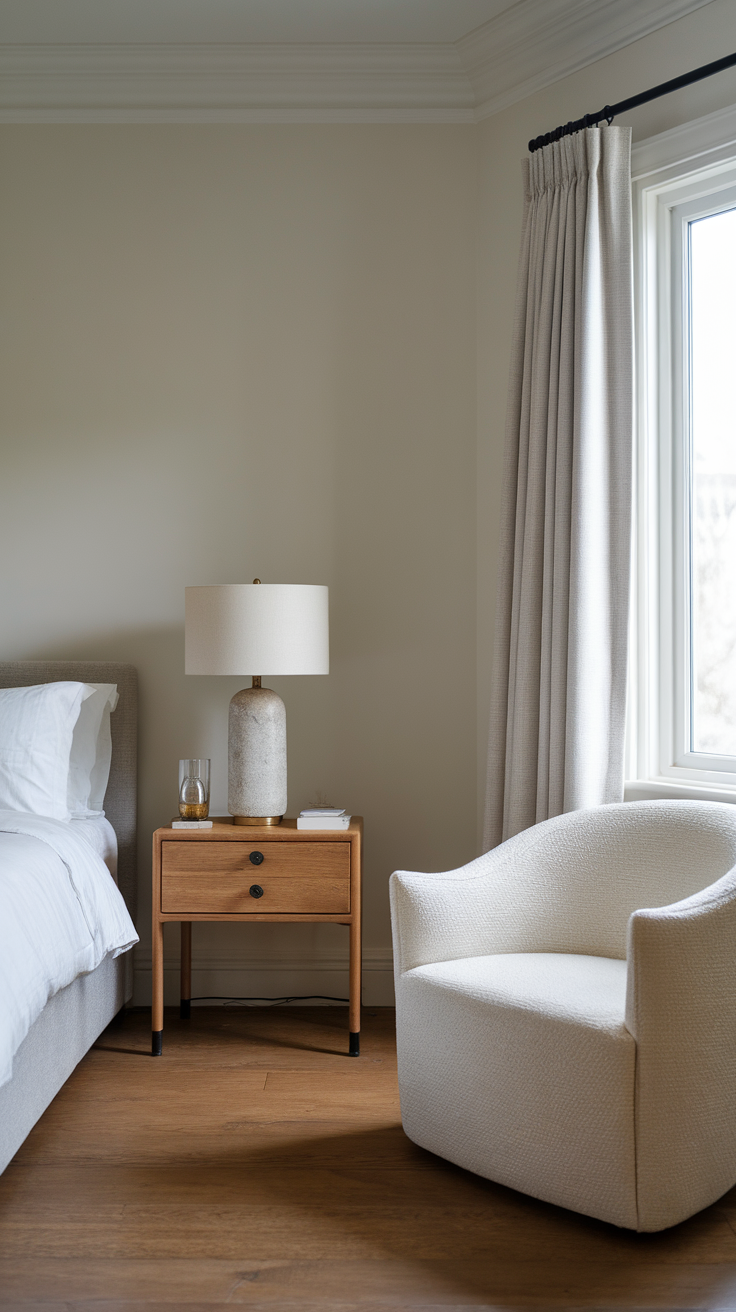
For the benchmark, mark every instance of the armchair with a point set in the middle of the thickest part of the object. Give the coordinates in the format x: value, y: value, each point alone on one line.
x: 566, y: 1010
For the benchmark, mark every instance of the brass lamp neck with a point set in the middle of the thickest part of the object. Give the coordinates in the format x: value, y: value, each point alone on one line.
x: 256, y: 681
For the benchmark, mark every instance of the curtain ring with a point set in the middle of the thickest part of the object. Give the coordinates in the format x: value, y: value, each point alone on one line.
x: 608, y: 114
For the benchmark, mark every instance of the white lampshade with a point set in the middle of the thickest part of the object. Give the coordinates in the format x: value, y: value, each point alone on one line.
x: 257, y: 628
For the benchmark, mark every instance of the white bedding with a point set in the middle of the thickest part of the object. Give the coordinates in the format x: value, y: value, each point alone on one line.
x: 98, y: 831
x: 61, y: 914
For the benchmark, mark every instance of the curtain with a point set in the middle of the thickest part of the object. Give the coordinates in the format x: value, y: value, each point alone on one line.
x: 559, y: 681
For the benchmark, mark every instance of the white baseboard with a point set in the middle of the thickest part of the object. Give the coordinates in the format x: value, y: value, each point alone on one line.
x: 224, y: 976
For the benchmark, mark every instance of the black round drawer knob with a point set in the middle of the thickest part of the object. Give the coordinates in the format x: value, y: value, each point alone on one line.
x: 256, y: 858
x: 256, y: 890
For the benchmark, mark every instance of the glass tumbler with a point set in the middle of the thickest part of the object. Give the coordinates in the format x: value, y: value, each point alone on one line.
x: 194, y: 789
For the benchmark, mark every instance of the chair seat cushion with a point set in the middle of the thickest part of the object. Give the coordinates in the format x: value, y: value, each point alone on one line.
x: 561, y: 985
x: 532, y: 1084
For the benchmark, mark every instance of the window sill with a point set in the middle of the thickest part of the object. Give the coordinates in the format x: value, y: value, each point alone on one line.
x: 645, y: 790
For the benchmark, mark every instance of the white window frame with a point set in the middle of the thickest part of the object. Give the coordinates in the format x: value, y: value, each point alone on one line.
x: 676, y: 177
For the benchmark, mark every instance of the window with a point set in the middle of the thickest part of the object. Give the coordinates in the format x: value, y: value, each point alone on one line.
x: 710, y: 457
x: 682, y: 730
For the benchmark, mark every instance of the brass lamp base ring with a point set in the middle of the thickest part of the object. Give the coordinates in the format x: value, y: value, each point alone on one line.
x: 257, y: 819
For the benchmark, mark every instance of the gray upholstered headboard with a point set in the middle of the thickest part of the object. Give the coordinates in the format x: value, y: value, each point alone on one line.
x: 121, y: 795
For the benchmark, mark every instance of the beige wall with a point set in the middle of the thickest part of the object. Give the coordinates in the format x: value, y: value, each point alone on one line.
x: 240, y: 351
x: 231, y: 351
x: 700, y: 38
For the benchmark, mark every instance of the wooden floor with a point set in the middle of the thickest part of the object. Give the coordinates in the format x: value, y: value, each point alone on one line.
x: 256, y: 1164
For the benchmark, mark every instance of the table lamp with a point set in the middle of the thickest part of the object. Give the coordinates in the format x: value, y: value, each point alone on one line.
x: 275, y: 628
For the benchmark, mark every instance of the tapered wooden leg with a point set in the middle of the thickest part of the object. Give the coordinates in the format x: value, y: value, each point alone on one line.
x: 356, y: 984
x: 157, y: 988
x: 185, y: 995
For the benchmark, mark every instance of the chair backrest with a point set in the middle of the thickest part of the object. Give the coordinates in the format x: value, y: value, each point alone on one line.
x: 570, y: 884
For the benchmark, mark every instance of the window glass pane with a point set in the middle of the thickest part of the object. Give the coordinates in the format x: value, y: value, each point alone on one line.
x: 713, y: 482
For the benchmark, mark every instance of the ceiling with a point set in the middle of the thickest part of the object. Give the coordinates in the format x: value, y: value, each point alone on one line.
x: 190, y: 21
x: 304, y: 61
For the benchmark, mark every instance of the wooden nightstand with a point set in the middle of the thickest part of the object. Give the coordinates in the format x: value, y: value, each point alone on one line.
x: 274, y: 872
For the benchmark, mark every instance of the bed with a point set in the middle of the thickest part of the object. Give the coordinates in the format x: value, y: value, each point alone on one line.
x: 76, y: 1015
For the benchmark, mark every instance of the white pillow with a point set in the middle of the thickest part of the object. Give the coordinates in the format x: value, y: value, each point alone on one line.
x: 89, y: 764
x: 36, y: 732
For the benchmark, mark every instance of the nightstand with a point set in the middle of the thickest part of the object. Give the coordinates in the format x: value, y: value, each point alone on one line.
x: 269, y: 873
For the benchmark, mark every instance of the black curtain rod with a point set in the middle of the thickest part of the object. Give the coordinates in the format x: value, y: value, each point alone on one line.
x: 609, y: 112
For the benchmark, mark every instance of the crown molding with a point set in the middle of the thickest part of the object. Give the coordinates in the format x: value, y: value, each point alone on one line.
x: 527, y: 47
x: 536, y: 42
x: 237, y: 115
x: 234, y: 83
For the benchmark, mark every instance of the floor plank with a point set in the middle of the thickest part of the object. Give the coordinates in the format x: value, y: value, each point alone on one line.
x: 255, y: 1164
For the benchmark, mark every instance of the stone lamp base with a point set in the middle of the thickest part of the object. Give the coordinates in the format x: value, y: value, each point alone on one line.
x: 257, y: 757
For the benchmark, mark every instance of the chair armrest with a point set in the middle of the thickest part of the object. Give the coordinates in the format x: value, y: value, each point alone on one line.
x: 681, y: 1010
x: 466, y: 912
x: 682, y: 967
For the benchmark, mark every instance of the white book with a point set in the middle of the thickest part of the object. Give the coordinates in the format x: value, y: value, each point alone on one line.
x: 191, y: 824
x: 323, y: 822
x: 322, y: 810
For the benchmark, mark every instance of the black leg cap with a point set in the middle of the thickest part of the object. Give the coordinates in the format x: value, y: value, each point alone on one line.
x: 355, y: 1044
x: 157, y: 1043
x: 185, y: 1009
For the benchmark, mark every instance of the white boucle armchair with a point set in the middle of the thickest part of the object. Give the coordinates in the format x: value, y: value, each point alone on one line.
x: 566, y: 1010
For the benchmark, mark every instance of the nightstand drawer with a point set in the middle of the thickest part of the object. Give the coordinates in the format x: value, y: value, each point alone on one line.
x: 217, y: 878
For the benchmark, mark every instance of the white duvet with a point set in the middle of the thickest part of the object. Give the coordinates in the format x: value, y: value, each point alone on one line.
x: 61, y: 914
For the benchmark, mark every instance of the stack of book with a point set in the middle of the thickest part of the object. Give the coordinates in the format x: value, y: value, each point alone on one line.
x: 322, y: 817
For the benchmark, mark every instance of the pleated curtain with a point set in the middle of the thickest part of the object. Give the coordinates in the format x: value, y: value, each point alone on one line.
x: 560, y: 662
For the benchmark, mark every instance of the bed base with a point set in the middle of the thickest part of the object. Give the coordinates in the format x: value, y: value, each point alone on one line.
x: 76, y: 1016
x: 56, y: 1042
